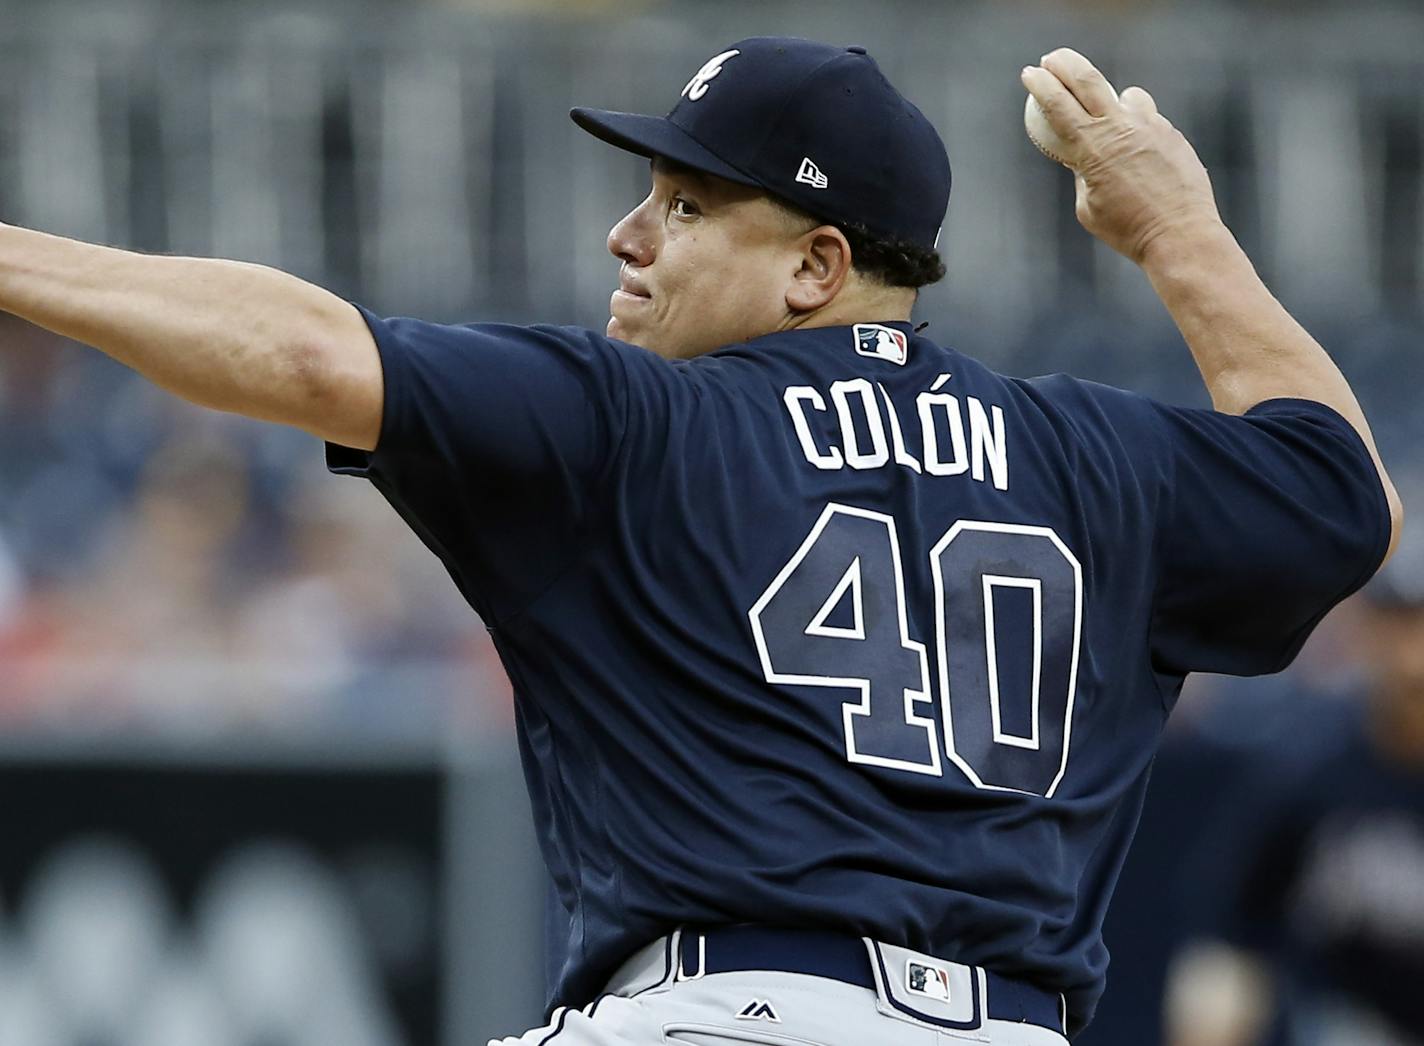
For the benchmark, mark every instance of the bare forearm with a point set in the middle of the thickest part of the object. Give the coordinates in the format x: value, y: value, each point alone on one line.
x: 227, y: 335
x: 1247, y: 346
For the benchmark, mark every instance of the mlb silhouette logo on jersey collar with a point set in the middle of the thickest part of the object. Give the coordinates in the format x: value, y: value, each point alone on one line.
x: 883, y: 343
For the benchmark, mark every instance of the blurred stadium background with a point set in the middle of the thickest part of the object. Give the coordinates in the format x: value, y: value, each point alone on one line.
x: 257, y: 757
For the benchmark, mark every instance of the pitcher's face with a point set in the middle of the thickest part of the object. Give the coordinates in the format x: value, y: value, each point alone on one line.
x: 705, y: 263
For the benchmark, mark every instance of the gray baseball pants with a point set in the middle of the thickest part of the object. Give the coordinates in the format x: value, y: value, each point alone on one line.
x: 648, y: 1003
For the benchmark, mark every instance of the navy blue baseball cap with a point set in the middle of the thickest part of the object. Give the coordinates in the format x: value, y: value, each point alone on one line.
x: 816, y: 125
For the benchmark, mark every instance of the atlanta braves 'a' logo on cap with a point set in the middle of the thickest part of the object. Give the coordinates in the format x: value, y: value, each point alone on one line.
x: 697, y: 86
x: 884, y: 343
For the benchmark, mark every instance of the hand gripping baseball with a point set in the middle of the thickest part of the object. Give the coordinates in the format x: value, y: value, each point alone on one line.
x: 1138, y: 179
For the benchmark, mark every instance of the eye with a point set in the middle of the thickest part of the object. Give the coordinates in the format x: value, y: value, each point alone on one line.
x: 682, y: 207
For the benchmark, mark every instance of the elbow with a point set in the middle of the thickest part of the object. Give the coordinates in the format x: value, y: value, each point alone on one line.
x: 304, y: 381
x: 309, y: 376
x: 335, y: 389
x: 306, y: 371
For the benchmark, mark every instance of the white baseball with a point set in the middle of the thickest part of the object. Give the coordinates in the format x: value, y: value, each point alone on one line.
x: 1042, y: 134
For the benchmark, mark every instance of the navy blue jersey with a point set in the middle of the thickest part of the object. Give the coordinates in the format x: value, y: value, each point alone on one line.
x: 840, y: 629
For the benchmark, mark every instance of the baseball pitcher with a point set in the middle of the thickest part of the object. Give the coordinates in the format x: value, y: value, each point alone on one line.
x: 839, y: 659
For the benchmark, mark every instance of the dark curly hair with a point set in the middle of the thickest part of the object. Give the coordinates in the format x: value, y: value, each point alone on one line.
x: 895, y: 263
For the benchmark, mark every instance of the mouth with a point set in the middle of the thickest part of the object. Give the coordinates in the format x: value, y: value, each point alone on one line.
x: 628, y: 300
x: 629, y: 288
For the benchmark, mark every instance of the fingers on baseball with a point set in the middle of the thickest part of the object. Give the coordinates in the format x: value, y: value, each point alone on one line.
x: 1062, y: 110
x: 1081, y: 77
x: 1139, y: 101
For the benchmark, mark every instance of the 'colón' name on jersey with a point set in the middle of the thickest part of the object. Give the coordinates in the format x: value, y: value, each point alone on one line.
x: 862, y: 430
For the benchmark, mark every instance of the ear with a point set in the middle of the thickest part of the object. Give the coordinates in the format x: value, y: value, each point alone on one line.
x: 825, y: 265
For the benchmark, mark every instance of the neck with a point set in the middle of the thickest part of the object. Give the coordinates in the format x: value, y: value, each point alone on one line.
x: 883, y: 304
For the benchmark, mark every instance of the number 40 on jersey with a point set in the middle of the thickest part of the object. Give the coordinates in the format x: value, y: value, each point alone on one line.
x: 1008, y: 610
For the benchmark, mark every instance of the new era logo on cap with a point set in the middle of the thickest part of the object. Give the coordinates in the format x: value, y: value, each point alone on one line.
x: 883, y: 343
x: 811, y: 175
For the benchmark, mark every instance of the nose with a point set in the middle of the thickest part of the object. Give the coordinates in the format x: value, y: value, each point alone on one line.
x: 630, y: 240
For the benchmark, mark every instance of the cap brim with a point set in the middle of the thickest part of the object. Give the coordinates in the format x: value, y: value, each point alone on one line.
x: 656, y: 136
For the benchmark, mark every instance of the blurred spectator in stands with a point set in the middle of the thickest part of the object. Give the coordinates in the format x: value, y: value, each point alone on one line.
x: 166, y: 569
x: 1310, y: 892
x: 164, y: 588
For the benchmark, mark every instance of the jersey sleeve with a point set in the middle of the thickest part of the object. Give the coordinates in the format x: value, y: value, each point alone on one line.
x: 494, y: 442
x: 1268, y: 520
